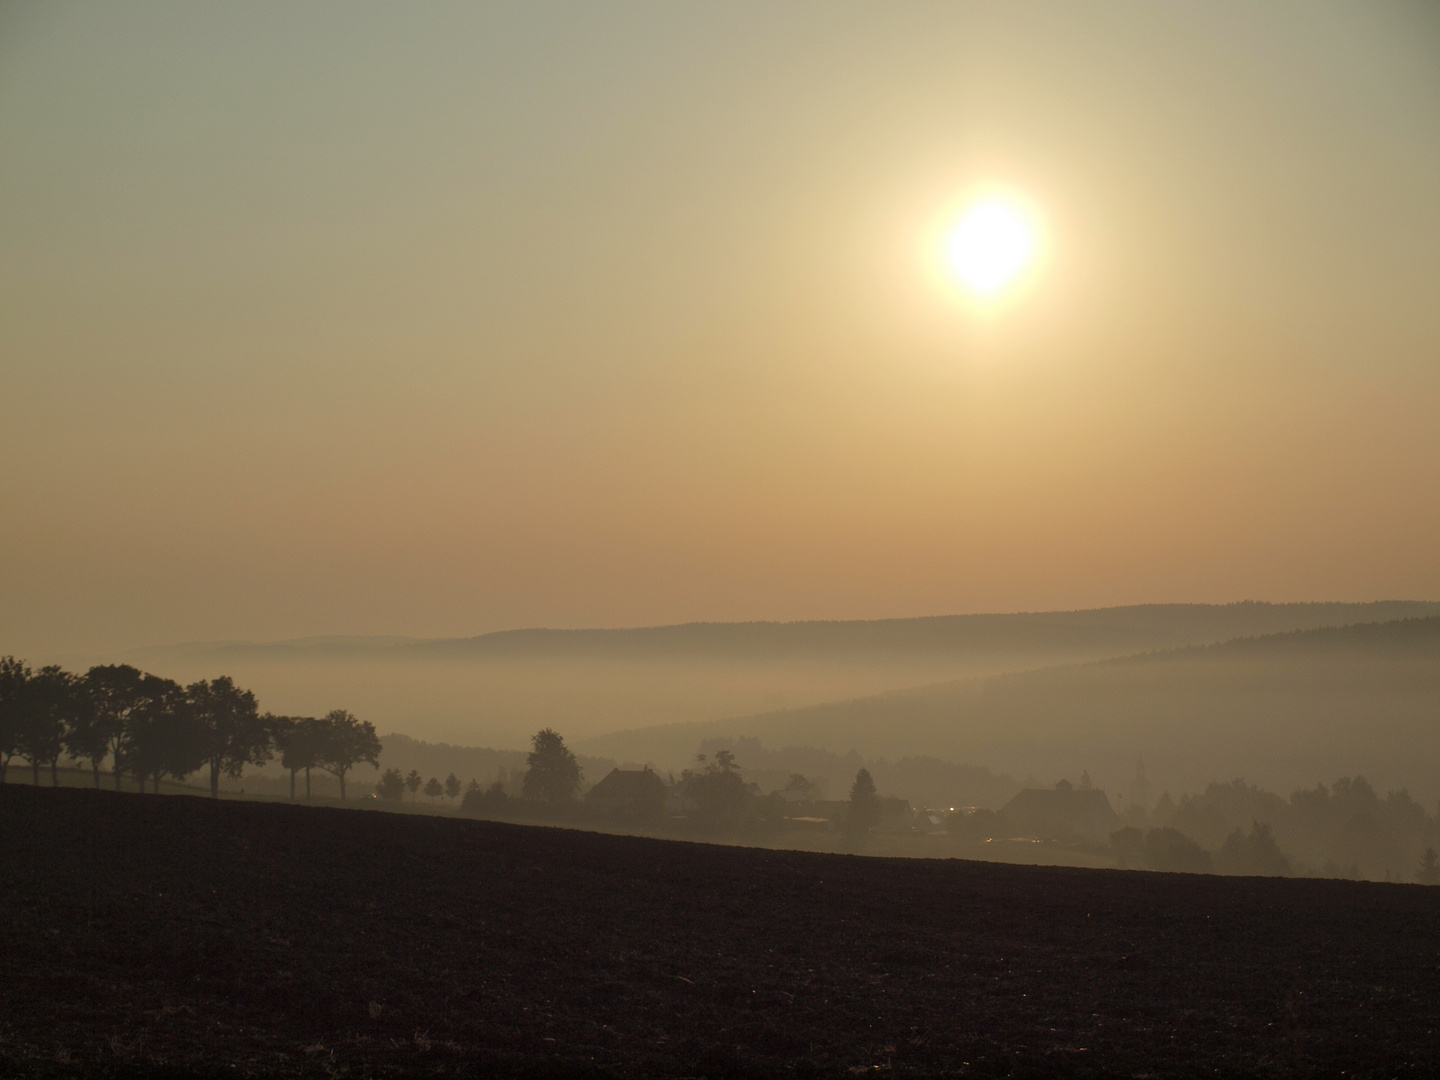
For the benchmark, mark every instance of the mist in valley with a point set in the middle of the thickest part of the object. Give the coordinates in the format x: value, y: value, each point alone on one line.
x: 1286, y: 739
x: 635, y: 694
x: 719, y: 539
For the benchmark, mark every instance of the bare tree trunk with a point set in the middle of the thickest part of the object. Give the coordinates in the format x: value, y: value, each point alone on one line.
x: 341, y: 774
x: 215, y: 778
x: 35, y: 768
x: 95, y: 765
x: 307, y: 783
x: 292, y: 785
x: 54, y: 772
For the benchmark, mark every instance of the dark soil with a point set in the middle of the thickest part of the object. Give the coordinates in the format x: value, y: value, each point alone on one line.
x: 140, y: 933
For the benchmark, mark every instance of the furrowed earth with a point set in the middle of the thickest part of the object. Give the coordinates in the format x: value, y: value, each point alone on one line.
x: 144, y: 933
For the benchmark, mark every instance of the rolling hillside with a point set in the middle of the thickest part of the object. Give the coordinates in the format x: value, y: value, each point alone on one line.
x: 497, y: 689
x: 1281, y: 710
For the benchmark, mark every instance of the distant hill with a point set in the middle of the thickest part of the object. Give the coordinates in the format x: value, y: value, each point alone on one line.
x: 1283, y: 710
x: 1101, y: 631
x: 498, y: 689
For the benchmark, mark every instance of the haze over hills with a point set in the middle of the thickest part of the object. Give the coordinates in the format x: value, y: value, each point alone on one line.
x: 496, y: 689
x: 981, y: 638
x: 1283, y: 710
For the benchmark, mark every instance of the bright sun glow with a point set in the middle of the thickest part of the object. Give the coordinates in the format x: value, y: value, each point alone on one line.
x: 993, y: 243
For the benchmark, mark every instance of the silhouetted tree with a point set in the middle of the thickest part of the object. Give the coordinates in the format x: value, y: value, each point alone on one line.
x: 167, y: 737
x: 346, y: 742
x: 1255, y: 855
x: 434, y: 789
x: 391, y: 785
x: 492, y: 801
x: 1351, y: 824
x: 46, y: 700
x: 799, y: 783
x: 235, y: 734
x: 1129, y: 846
x: 82, y: 731
x: 1429, y: 872
x: 452, y: 786
x: 1168, y: 850
x: 114, y: 692
x: 300, y: 740
x: 413, y: 782
x: 717, y: 790
x: 863, y: 813
x: 14, y: 675
x: 554, y: 775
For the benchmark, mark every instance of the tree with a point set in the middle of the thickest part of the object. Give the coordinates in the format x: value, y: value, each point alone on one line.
x: 82, y: 732
x: 14, y: 675
x: 717, y: 790
x: 1429, y: 872
x: 413, y: 782
x: 113, y: 692
x: 1171, y: 851
x: 800, y: 783
x: 1255, y: 855
x: 492, y: 801
x: 235, y: 733
x: 45, y: 702
x: 554, y: 775
x: 299, y: 739
x: 391, y: 785
x: 167, y: 736
x: 452, y: 786
x: 863, y: 813
x: 473, y: 794
x: 434, y: 789
x: 345, y: 742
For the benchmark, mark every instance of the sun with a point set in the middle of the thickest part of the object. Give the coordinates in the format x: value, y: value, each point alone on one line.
x: 993, y: 243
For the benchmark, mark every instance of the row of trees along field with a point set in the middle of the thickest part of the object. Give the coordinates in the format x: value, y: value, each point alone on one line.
x: 152, y: 727
x: 712, y: 797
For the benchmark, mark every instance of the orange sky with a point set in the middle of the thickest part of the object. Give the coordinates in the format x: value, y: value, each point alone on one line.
x: 342, y: 318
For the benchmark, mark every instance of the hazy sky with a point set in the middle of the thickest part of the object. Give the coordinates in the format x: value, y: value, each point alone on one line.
x: 437, y: 319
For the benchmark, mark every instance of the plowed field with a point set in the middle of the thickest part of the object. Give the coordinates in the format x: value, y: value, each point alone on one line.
x: 142, y: 932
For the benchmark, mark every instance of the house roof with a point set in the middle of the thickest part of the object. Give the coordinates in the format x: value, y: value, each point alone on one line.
x: 627, y: 784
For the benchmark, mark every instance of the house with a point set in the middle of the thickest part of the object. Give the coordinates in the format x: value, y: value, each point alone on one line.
x: 787, y: 804
x: 629, y: 795
x: 1062, y: 812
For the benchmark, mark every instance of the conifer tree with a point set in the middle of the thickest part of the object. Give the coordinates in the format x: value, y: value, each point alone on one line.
x: 554, y: 774
x: 864, y: 810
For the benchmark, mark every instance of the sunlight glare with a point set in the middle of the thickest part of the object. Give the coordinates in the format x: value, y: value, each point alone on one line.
x: 993, y: 242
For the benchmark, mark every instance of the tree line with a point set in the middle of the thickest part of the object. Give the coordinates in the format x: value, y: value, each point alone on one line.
x: 153, y: 727
x: 713, y: 798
